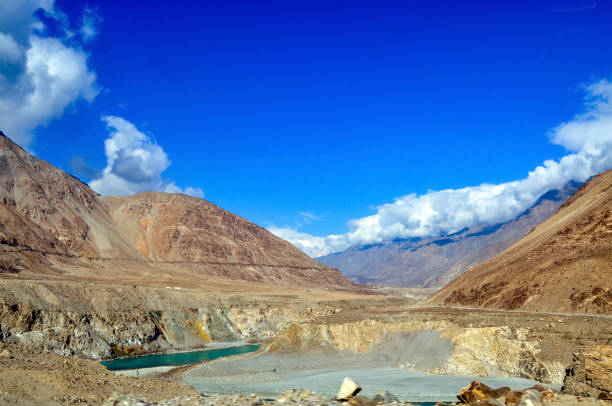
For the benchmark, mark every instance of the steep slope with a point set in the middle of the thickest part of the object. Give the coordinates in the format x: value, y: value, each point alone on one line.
x: 178, y: 228
x: 45, y: 210
x: 53, y: 226
x: 563, y: 265
x: 434, y: 262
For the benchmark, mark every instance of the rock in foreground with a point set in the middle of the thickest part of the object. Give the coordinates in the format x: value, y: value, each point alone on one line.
x: 476, y: 393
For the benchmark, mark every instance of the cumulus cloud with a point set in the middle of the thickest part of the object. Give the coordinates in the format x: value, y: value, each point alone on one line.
x: 134, y: 163
x: 39, y: 75
x: 310, y: 244
x: 588, y: 138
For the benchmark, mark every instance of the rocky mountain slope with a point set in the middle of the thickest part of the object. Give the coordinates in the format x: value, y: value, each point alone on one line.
x: 434, y: 262
x: 53, y: 226
x: 178, y: 228
x: 563, y: 265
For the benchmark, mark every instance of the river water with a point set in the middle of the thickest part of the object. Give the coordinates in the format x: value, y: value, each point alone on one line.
x: 271, y: 374
x: 176, y: 359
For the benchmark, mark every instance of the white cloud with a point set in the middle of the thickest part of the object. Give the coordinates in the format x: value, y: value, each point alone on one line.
x: 39, y: 75
x: 134, y: 163
x: 588, y: 136
x: 10, y: 51
x: 307, y: 216
x: 192, y: 191
x: 310, y: 244
x: 89, y: 24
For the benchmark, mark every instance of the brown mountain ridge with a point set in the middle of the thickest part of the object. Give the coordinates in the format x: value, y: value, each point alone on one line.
x: 53, y: 226
x: 563, y: 265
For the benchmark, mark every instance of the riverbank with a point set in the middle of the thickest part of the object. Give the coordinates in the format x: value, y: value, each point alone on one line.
x: 177, y: 358
x: 29, y: 377
x: 40, y: 377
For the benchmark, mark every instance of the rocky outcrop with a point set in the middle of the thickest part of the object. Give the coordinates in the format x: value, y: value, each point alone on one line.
x: 107, y: 335
x: 86, y: 335
x: 102, y: 321
x: 590, y: 372
x: 449, y: 348
x: 102, y: 336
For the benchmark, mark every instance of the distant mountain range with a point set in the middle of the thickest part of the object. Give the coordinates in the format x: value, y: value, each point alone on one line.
x: 433, y: 262
x: 53, y: 226
x: 563, y: 265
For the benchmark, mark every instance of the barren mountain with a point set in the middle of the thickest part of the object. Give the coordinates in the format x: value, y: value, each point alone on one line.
x: 53, y: 226
x: 433, y: 262
x: 179, y: 228
x: 563, y: 265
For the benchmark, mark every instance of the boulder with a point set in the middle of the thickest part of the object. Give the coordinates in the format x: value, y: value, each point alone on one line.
x: 513, y: 397
x: 362, y: 401
x: 590, y: 372
x: 501, y: 392
x: 348, y: 389
x: 476, y: 391
x: 531, y: 397
x: 547, y: 393
x: 604, y: 396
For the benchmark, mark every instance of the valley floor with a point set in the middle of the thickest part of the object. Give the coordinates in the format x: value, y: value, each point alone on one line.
x: 312, y: 339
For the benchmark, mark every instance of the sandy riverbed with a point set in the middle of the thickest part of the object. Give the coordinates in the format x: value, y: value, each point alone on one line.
x: 269, y: 375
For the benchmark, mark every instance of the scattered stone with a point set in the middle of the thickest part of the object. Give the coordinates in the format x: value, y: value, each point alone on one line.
x: 513, y: 397
x: 361, y: 401
x: 348, y: 389
x: 488, y: 402
x: 476, y: 391
x: 385, y: 397
x: 531, y: 397
x: 604, y: 396
x: 501, y: 392
x: 547, y: 393
x: 5, y: 353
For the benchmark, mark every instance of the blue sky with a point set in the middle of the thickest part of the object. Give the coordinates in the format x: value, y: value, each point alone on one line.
x: 325, y: 108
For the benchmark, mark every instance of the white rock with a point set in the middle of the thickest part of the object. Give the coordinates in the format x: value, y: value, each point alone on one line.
x: 348, y: 389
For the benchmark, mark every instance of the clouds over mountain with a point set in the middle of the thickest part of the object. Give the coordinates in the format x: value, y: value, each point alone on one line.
x: 134, y: 163
x: 40, y: 75
x: 588, y: 138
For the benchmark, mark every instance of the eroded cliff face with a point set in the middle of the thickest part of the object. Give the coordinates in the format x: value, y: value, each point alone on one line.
x: 479, y: 351
x: 172, y: 320
x: 83, y: 334
x: 590, y: 372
